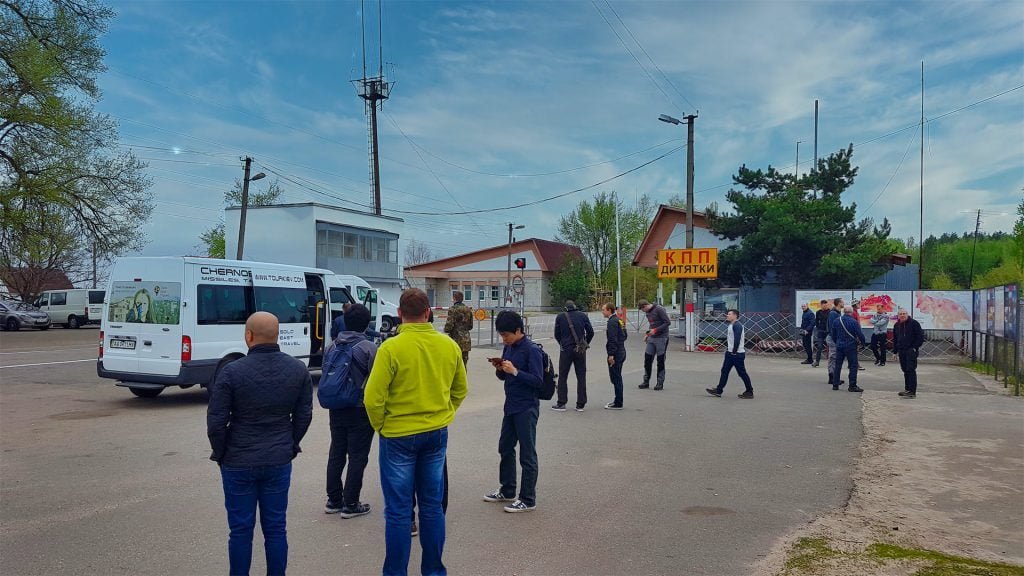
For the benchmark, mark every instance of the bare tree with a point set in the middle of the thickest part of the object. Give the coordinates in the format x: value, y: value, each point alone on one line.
x: 418, y: 253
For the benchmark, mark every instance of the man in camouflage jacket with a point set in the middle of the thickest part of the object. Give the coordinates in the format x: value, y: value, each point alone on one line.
x: 459, y: 325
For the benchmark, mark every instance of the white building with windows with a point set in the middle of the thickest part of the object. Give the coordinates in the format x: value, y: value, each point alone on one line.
x: 316, y: 235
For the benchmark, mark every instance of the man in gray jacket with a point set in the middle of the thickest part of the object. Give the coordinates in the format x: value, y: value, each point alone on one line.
x: 879, y: 335
x: 657, y: 342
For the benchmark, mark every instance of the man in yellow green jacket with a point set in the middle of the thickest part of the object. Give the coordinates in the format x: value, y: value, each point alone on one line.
x: 417, y: 383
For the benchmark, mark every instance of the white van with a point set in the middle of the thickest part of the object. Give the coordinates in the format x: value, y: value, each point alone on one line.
x: 176, y: 321
x: 365, y: 294
x: 73, y: 307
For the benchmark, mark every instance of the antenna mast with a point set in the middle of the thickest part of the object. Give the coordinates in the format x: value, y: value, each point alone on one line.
x: 374, y: 90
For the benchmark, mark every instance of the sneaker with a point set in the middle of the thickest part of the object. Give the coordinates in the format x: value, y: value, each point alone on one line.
x: 333, y: 507
x: 644, y: 386
x: 835, y: 387
x: 860, y: 368
x: 353, y: 510
x: 520, y: 506
x: 855, y: 389
x: 579, y: 408
x: 746, y: 395
x: 714, y: 392
x: 659, y: 387
x: 415, y: 529
x: 497, y: 496
x: 909, y: 395
x: 904, y: 393
x: 558, y: 407
x: 815, y: 365
x: 806, y: 362
x: 612, y: 406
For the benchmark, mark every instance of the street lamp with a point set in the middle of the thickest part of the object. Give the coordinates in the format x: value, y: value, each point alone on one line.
x: 796, y: 167
x: 245, y: 205
x: 688, y: 305
x: 508, y: 282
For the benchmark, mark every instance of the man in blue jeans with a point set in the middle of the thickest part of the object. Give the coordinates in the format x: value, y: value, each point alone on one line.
x: 846, y: 333
x: 417, y: 383
x: 260, y: 408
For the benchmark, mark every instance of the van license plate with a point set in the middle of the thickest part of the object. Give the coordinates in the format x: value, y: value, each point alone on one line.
x: 123, y: 344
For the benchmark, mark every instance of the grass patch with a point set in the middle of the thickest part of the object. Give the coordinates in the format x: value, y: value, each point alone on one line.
x: 988, y: 370
x: 809, y: 554
x: 939, y: 564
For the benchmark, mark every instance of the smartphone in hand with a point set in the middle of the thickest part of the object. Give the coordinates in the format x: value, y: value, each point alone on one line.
x: 495, y: 361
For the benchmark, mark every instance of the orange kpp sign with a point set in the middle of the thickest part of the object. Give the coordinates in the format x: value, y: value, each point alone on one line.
x: 693, y: 263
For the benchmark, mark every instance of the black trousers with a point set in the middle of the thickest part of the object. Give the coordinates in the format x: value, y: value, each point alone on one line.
x: 351, y: 438
x: 878, y: 345
x: 819, y: 343
x: 908, y: 363
x: 578, y: 361
x: 807, y: 346
x: 519, y: 429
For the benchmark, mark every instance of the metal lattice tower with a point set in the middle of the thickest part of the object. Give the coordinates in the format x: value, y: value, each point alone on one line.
x: 374, y: 90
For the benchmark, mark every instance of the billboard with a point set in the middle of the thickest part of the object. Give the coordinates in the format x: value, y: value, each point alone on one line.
x: 943, y: 309
x: 980, y: 310
x: 813, y: 299
x: 890, y: 300
x: 1010, y: 296
x: 1000, y: 315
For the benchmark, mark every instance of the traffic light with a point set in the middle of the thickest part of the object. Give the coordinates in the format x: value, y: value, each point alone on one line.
x: 521, y: 263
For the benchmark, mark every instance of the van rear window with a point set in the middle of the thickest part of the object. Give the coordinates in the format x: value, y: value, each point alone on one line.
x: 145, y: 302
x: 222, y: 304
x: 97, y: 296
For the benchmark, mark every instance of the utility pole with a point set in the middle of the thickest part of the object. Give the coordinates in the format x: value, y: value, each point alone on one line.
x: 687, y: 299
x: 977, y: 226
x: 508, y: 280
x: 920, y: 234
x: 618, y: 254
x: 374, y: 91
x: 245, y: 205
x: 796, y: 167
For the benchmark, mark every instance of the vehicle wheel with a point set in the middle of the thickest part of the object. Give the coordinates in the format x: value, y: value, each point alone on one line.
x: 73, y: 322
x: 146, y: 392
x: 386, y: 324
x: 13, y: 325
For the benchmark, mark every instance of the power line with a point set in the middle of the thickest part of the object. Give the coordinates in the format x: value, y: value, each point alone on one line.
x: 655, y: 64
x: 910, y: 142
x: 549, y: 198
x: 182, y: 161
x: 637, y: 60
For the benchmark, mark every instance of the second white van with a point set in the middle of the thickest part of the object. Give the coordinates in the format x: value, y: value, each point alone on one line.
x: 73, y: 308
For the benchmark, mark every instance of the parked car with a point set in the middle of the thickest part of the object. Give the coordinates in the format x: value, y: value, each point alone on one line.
x: 17, y: 315
x: 73, y: 307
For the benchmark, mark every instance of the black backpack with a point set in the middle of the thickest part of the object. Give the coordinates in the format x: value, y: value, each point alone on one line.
x: 547, y: 382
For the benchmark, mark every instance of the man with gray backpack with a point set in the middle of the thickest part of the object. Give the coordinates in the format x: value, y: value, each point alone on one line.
x: 573, y: 332
x: 347, y: 363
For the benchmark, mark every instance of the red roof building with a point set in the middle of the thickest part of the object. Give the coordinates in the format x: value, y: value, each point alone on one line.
x: 483, y: 275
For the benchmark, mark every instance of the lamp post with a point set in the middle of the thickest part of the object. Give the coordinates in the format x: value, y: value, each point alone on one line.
x: 508, y: 282
x: 688, y: 304
x: 796, y: 167
x: 245, y: 205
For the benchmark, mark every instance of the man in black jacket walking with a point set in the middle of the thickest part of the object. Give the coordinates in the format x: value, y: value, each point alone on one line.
x: 821, y: 330
x: 616, y: 350
x: 907, y: 337
x: 573, y: 332
x: 260, y: 408
x: 806, y: 328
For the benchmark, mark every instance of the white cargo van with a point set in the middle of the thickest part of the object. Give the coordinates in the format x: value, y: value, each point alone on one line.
x: 363, y: 293
x: 73, y: 307
x: 176, y: 321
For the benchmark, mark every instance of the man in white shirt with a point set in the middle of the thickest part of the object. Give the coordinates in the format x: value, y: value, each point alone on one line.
x: 735, y: 356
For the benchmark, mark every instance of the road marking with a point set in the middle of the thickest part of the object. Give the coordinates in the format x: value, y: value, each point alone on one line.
x: 48, y: 351
x: 48, y: 363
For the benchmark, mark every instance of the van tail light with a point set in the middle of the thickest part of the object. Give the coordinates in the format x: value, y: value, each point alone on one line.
x: 101, y: 345
x: 186, y: 349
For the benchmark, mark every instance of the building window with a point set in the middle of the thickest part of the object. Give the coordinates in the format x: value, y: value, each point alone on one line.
x: 467, y: 291
x: 380, y: 249
x: 392, y: 251
x: 350, y: 246
x: 495, y: 293
x: 366, y: 248
x: 482, y: 294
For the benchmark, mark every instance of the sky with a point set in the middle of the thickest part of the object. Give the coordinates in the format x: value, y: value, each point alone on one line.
x: 502, y: 103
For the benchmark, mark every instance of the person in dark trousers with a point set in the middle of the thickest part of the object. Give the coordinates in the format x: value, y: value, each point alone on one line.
x: 834, y: 314
x: 657, y: 342
x: 521, y: 369
x: 260, y: 409
x: 907, y: 338
x: 821, y: 330
x: 735, y: 356
x: 573, y: 332
x: 351, y: 433
x: 806, y: 330
x: 616, y: 350
x: 460, y: 324
x: 879, y: 335
x: 338, y: 326
x: 846, y: 333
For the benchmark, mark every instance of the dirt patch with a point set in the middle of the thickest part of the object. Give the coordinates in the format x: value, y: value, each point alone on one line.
x: 706, y: 511
x: 83, y: 415
x: 928, y: 483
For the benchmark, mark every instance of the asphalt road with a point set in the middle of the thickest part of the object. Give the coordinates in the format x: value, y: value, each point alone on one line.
x: 96, y: 481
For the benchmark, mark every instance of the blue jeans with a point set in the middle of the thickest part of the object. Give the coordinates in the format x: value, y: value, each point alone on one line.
x: 245, y: 489
x: 849, y: 354
x: 408, y: 465
x: 737, y: 361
